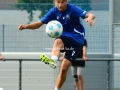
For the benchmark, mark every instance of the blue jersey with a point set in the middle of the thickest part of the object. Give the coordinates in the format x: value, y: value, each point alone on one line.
x: 70, y: 19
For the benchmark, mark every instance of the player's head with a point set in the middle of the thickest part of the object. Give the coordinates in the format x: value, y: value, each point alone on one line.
x: 61, y: 4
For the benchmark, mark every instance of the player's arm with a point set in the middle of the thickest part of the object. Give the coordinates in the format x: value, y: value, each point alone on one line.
x: 90, y: 18
x: 31, y: 26
x: 84, y: 53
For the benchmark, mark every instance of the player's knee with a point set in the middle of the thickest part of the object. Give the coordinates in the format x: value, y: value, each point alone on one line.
x: 58, y: 42
x: 80, y: 77
x: 75, y: 78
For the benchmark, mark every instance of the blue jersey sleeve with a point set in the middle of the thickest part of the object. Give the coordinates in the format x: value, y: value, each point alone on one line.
x: 47, y: 17
x: 78, y: 12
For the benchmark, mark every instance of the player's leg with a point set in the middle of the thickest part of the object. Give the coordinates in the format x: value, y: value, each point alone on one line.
x: 70, y: 55
x: 80, y: 77
x: 57, y: 46
x: 74, y: 74
x: 63, y: 73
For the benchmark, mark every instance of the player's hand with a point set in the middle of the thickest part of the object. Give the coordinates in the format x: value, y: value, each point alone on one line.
x: 1, y: 57
x: 90, y: 21
x: 84, y: 58
x: 21, y: 27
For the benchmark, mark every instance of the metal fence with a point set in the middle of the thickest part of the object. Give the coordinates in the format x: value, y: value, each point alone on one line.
x: 29, y: 74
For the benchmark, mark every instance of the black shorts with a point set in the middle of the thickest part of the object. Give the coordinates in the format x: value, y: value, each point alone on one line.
x: 71, y: 47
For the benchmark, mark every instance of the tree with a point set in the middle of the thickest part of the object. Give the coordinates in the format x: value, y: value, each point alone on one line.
x: 45, y: 5
x: 33, y: 5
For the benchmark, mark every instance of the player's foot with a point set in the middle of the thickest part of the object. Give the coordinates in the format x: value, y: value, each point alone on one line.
x: 48, y: 61
x: 44, y: 58
x: 52, y: 63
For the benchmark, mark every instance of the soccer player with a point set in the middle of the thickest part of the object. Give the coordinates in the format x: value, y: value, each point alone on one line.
x: 72, y: 38
x: 1, y: 57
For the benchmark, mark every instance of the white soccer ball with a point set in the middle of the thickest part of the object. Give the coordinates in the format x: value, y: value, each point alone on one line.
x: 54, y: 29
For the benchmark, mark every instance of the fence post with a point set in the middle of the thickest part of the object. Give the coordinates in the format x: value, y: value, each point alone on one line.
x: 108, y: 74
x: 20, y: 74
